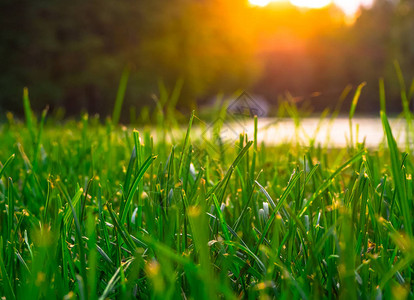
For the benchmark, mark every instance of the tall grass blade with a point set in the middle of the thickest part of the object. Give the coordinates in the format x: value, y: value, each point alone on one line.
x: 8, y: 290
x: 398, y: 175
x: 116, y: 114
x: 8, y: 162
x: 83, y: 282
x: 134, y: 186
x: 28, y: 113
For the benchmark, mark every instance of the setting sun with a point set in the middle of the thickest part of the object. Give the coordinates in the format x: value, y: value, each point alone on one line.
x: 311, y: 3
x: 260, y: 2
x: 349, y: 7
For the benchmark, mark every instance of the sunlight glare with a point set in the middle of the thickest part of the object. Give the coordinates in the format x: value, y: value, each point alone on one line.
x: 350, y: 7
x: 311, y: 3
x: 260, y: 2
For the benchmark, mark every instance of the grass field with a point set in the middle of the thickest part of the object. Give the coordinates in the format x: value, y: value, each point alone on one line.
x: 92, y: 211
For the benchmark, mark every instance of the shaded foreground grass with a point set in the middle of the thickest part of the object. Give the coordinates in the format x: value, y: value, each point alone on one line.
x: 90, y: 211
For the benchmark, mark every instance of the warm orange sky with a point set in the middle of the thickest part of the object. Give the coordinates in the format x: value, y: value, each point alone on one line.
x: 350, y: 7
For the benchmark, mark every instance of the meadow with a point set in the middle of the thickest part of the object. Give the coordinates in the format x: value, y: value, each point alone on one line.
x: 100, y: 211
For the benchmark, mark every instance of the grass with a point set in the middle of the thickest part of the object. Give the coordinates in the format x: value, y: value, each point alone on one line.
x: 93, y: 212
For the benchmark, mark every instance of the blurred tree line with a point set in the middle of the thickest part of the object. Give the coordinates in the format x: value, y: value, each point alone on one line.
x: 71, y: 54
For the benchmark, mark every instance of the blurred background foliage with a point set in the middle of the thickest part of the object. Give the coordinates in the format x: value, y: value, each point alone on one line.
x: 71, y: 54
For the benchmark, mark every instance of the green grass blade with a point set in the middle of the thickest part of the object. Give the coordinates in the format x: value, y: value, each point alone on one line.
x: 382, y: 95
x: 8, y: 291
x: 269, y: 199
x: 355, y: 99
x: 116, y: 114
x: 8, y: 162
x: 281, y: 201
x: 74, y: 202
x: 330, y: 179
x: 28, y: 113
x: 185, y: 145
x: 134, y: 186
x: 78, y: 231
x: 397, y: 174
x: 222, y: 221
x: 223, y: 183
x: 121, y: 229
